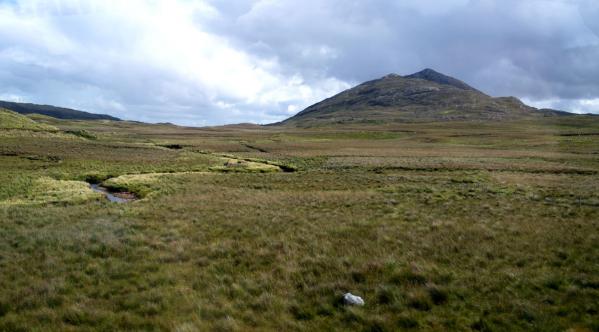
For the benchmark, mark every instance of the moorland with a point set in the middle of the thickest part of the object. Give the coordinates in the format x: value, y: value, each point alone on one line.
x: 461, y: 225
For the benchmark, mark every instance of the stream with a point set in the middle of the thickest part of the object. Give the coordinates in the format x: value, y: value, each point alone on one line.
x: 113, y: 197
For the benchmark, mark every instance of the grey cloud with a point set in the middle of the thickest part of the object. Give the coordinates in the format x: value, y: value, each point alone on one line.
x: 544, y: 51
x: 531, y: 49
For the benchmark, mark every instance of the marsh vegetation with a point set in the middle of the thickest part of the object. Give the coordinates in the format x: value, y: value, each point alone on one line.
x: 438, y: 226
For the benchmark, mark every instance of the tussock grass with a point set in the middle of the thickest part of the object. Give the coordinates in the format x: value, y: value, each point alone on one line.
x: 142, y: 185
x: 49, y: 191
x: 238, y: 165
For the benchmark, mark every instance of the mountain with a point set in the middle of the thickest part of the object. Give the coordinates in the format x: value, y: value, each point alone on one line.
x: 423, y: 96
x: 53, y: 111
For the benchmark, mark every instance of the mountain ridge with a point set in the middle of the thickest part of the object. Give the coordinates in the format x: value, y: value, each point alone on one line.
x: 434, y: 76
x: 54, y: 111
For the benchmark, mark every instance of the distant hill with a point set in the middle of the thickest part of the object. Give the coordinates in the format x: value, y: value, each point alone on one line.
x: 53, y: 111
x: 423, y: 96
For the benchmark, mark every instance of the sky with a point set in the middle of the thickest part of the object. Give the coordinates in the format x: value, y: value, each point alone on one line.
x: 211, y: 62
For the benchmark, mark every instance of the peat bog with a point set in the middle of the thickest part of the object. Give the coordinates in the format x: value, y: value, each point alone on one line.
x: 437, y: 226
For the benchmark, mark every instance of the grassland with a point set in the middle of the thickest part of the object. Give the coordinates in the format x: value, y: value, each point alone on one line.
x: 10, y: 120
x: 438, y: 226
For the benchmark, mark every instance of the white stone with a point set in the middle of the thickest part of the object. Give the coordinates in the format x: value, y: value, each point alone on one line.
x: 352, y: 299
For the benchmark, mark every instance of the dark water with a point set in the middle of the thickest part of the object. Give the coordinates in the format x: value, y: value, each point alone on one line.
x: 113, y: 197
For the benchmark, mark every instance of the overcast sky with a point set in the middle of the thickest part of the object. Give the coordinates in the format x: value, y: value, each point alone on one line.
x: 205, y: 62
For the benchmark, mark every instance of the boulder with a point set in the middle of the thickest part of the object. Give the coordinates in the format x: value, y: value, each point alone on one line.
x: 351, y: 299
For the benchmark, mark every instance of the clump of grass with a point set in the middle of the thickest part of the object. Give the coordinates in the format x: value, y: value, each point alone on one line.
x: 388, y: 295
x: 437, y: 294
x: 82, y: 133
x: 409, y: 277
x: 243, y: 166
x: 233, y: 160
x: 48, y: 190
x: 95, y: 177
x: 419, y: 300
x: 139, y: 184
x: 405, y: 321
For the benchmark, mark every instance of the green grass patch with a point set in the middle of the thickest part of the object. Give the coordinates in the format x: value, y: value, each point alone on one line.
x: 13, y: 120
x: 49, y: 191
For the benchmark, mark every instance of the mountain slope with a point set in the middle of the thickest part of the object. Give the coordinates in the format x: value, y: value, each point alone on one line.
x: 423, y: 96
x: 53, y: 111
